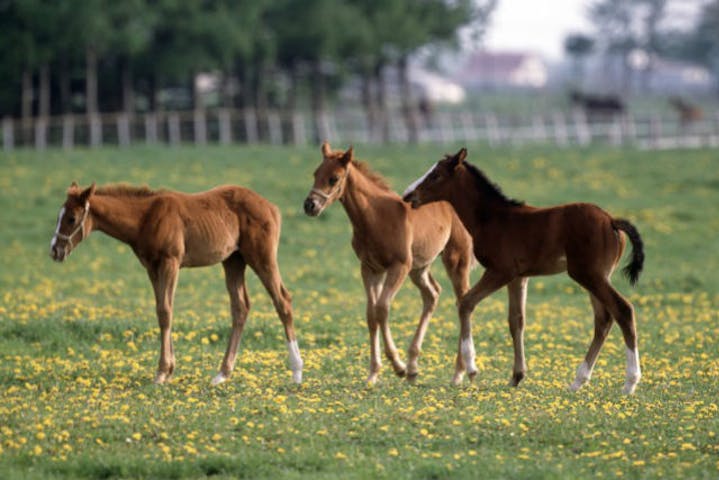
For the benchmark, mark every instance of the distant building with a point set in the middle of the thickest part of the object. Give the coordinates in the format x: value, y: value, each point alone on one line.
x: 435, y: 88
x: 503, y: 70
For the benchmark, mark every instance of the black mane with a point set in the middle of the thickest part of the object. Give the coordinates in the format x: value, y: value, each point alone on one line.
x: 490, y: 189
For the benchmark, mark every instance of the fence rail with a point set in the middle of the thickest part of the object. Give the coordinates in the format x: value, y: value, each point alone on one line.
x: 225, y: 126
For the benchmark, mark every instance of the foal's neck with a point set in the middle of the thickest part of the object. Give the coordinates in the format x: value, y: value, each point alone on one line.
x: 118, y: 217
x: 359, y: 200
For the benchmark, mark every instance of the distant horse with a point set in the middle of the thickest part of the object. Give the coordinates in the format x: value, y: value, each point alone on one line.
x: 392, y: 241
x: 514, y: 241
x: 598, y: 106
x: 688, y: 113
x: 170, y: 230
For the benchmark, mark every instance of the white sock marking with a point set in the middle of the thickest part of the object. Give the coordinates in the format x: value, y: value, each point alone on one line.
x: 296, y: 362
x: 468, y: 354
x: 634, y: 372
x: 416, y: 183
x: 219, y: 378
x: 584, y: 373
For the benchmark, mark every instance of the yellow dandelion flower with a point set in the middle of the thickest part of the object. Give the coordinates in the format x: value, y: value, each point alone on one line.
x: 393, y: 452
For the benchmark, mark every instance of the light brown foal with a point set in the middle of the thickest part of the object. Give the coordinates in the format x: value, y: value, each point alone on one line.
x: 392, y: 241
x: 170, y: 230
x: 514, y: 241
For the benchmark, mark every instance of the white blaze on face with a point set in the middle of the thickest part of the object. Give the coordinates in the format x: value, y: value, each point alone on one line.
x: 417, y: 182
x: 57, y: 229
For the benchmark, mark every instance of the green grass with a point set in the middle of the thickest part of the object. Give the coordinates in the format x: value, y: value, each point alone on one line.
x: 79, y: 340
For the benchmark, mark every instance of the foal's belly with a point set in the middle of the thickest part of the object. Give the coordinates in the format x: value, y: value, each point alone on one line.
x: 550, y: 267
x: 204, y: 252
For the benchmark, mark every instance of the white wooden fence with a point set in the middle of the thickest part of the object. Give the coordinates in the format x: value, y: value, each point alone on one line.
x: 224, y: 126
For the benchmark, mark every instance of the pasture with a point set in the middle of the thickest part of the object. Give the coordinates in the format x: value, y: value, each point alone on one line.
x: 79, y: 340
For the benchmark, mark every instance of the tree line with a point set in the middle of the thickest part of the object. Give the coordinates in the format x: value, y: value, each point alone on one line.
x: 94, y: 56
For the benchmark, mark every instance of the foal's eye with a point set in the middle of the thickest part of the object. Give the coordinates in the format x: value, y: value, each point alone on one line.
x: 71, y: 218
x: 333, y: 180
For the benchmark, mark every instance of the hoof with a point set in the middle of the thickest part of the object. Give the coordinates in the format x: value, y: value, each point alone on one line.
x: 161, y: 378
x: 372, y: 379
x: 412, y: 377
x: 457, y: 379
x: 516, y: 378
x: 219, y: 378
x: 629, y: 388
x: 297, y: 377
x: 471, y: 375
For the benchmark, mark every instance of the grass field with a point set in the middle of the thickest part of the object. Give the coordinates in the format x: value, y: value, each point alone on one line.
x: 79, y: 340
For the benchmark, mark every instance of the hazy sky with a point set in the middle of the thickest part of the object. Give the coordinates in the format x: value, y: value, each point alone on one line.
x: 541, y: 25
x: 538, y: 26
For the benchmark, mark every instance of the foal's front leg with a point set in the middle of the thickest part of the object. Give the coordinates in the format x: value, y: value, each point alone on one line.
x: 164, y: 280
x: 490, y: 282
x: 373, y: 286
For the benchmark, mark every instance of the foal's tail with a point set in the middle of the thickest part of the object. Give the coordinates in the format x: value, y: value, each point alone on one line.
x: 634, y: 268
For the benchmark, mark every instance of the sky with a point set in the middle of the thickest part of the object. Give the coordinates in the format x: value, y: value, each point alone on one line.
x: 539, y: 26
x: 535, y: 26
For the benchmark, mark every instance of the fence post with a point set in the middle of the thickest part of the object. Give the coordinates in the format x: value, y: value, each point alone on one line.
x: 173, y: 129
x: 539, y: 129
x: 199, y: 122
x: 584, y: 134
x: 275, y: 126
x: 561, y: 137
x: 95, y: 130
x: 492, y: 125
x: 41, y: 133
x: 150, y: 128
x: 251, y: 133
x: 68, y: 131
x: 8, y: 136
x: 299, y: 135
x: 470, y: 133
x: 655, y: 131
x: 225, y: 126
x: 123, y: 129
x: 615, y: 131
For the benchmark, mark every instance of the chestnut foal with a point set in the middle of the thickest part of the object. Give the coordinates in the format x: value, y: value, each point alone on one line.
x: 514, y: 241
x: 170, y: 230
x: 392, y: 241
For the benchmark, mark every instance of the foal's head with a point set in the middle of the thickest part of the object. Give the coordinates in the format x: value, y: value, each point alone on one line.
x: 437, y: 183
x: 72, y: 225
x: 330, y: 179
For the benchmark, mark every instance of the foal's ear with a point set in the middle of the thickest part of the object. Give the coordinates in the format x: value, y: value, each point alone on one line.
x: 87, y: 193
x: 348, y: 156
x: 326, y: 149
x: 73, y: 187
x: 458, y: 157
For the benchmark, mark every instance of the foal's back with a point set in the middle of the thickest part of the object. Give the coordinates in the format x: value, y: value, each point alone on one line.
x: 205, y: 228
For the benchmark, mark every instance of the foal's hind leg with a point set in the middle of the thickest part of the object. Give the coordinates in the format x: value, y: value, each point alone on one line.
x: 602, y: 325
x: 623, y: 312
x: 269, y: 274
x: 457, y: 261
x: 239, y: 307
x: 517, y: 291
x: 430, y: 290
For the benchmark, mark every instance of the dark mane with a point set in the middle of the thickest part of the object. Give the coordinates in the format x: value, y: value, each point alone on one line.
x: 375, y: 177
x: 123, y: 189
x: 489, y: 188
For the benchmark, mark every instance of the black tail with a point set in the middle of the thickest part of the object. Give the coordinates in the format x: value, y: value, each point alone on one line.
x: 634, y: 268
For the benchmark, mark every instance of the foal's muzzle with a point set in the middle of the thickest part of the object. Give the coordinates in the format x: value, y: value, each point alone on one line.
x: 312, y: 206
x: 59, y: 254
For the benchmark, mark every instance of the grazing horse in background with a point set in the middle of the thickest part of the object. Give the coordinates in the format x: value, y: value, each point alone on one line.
x: 170, y: 230
x: 688, y: 113
x: 596, y: 106
x: 392, y: 241
x: 514, y: 241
